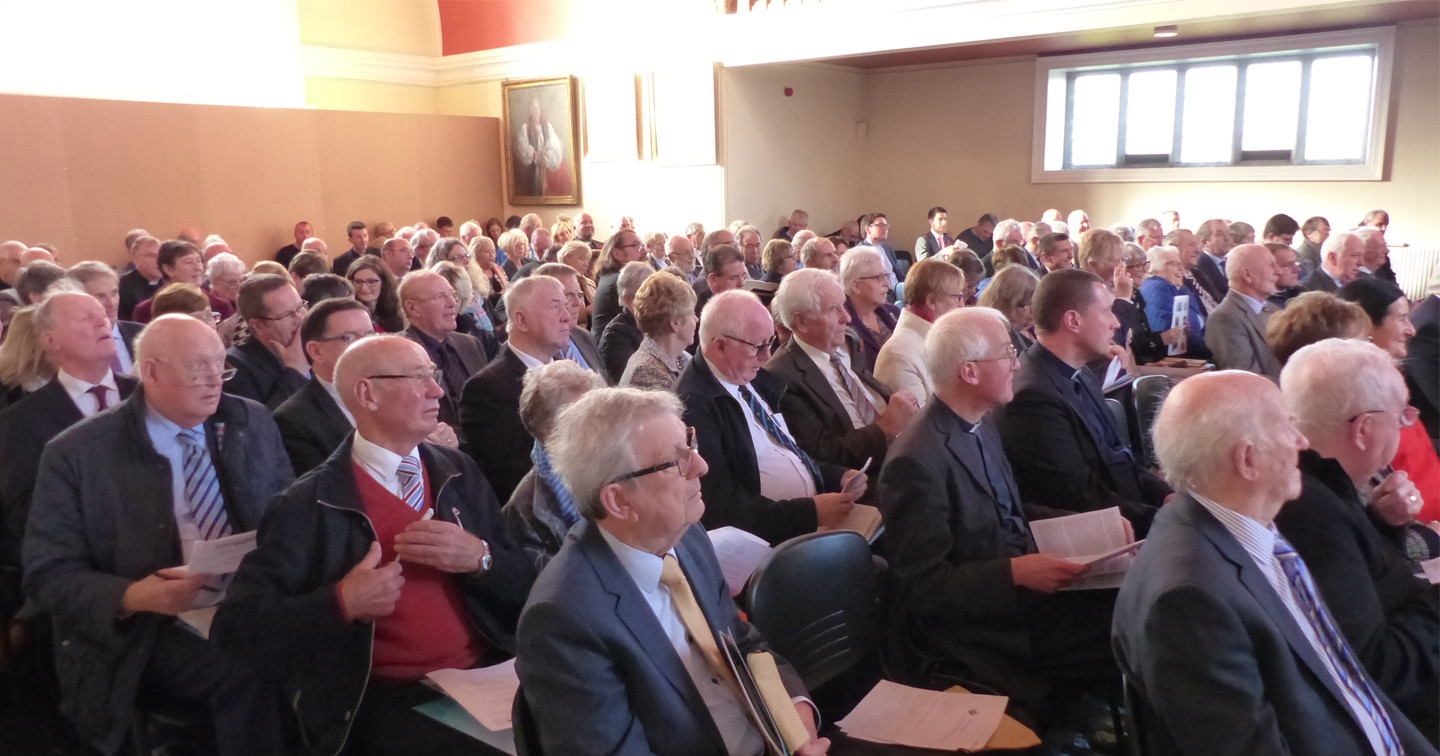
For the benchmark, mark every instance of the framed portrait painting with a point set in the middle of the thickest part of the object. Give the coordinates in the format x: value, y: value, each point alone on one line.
x: 541, y: 121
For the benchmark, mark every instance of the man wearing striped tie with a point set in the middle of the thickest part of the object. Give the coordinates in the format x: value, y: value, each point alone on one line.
x: 386, y: 563
x: 1226, y: 641
x: 120, y: 500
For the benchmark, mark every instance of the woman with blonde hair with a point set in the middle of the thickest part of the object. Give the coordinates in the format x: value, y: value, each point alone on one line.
x: 576, y: 254
x: 562, y: 231
x: 23, y: 364
x: 492, y: 276
x: 665, y: 314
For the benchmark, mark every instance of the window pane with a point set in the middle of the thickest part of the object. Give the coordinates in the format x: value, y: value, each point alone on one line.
x: 1339, y: 108
x: 1150, y: 113
x: 1272, y: 106
x: 1096, y: 124
x: 1207, y: 131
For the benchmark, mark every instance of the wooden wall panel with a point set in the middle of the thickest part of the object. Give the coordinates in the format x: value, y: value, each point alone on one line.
x: 80, y: 173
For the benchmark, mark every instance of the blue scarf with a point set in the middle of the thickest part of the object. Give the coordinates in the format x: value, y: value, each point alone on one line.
x: 541, y: 458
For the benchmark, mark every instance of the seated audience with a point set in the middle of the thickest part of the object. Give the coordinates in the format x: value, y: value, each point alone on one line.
x: 181, y: 262
x: 1279, y: 228
x: 303, y: 231
x: 1287, y: 285
x: 1056, y: 252
x: 349, y: 619
x: 622, y: 336
x: 618, y: 645
x: 664, y: 311
x: 1058, y: 435
x: 490, y: 427
x: 1350, y: 402
x: 1188, y: 247
x: 975, y: 599
x: 980, y: 237
x: 430, y: 309
x: 1311, y: 317
x: 935, y: 238
x: 307, y: 264
x: 724, y: 270
x: 1145, y: 344
x: 655, y: 250
x: 1166, y: 282
x: 972, y: 268
x: 183, y: 299
x: 143, y: 280
x: 1012, y: 292
x: 1235, y: 332
x: 359, y: 237
x: 1241, y: 233
x: 484, y: 253
x: 1078, y: 222
x: 398, y: 256
x: 1149, y: 234
x: 1208, y: 270
x: 748, y: 240
x: 562, y: 231
x: 375, y: 288
x: 621, y: 248
x: 581, y: 348
x: 270, y: 363
x: 34, y: 279
x: 1341, y: 256
x: 318, y: 287
x: 225, y: 272
x: 822, y: 254
x: 314, y: 421
x: 472, y: 316
x: 1316, y: 230
x: 1000, y: 259
x: 799, y: 221
x: 877, y: 234
x: 932, y: 288
x: 1376, y: 261
x: 120, y: 499
x: 760, y: 479
x: 866, y: 283
x: 681, y: 254
x: 1376, y: 219
x: 834, y: 408
x: 422, y: 243
x: 99, y: 281
x: 777, y: 260
x: 1219, y: 628
x: 24, y: 368
x: 542, y: 510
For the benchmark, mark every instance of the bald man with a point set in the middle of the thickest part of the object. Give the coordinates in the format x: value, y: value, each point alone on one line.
x: 10, y: 254
x: 1236, y: 330
x: 1218, y: 627
x: 384, y: 564
x: 120, y: 501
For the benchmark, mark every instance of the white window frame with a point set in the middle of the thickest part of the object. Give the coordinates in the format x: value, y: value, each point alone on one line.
x: 1051, y: 76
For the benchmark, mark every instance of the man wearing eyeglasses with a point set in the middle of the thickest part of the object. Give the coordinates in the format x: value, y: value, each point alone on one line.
x: 430, y: 307
x: 877, y: 235
x: 314, y: 421
x: 386, y: 563
x: 270, y: 365
x: 121, y: 500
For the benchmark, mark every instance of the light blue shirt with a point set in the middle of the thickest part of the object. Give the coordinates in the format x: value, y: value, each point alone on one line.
x: 162, y: 435
x: 572, y: 353
x: 1254, y: 303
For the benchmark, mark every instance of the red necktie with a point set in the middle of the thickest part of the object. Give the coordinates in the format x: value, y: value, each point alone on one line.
x: 99, y: 393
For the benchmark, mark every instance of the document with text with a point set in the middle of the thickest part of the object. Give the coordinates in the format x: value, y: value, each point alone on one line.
x: 220, y: 556
x: 901, y: 715
x: 488, y: 693
x: 739, y: 552
x: 1099, y: 539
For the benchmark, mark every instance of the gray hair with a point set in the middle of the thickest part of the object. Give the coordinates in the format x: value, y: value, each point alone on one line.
x: 1330, y: 381
x: 314, y: 244
x: 45, y: 310
x: 958, y: 337
x: 423, y: 236
x: 440, y: 252
x: 459, y: 279
x: 1335, y: 243
x: 1194, y: 443
x: 631, y: 276
x: 89, y: 270
x: 722, y: 316
x: 694, y: 227
x: 548, y: 389
x: 1157, y: 254
x: 1002, y: 229
x: 396, y: 241
x: 225, y: 262
x: 853, y: 261
x: 748, y: 229
x: 532, y: 221
x: 469, y: 227
x: 799, y: 294
x: 517, y: 296
x: 594, y: 439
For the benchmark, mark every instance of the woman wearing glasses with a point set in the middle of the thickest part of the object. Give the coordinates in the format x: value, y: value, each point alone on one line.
x: 375, y: 288
x: 867, y: 288
x: 1011, y: 292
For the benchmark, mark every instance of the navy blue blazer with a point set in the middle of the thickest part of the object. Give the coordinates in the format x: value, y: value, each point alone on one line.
x: 598, y: 670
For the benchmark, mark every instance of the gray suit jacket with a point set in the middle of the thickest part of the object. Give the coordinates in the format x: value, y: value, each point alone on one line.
x: 1236, y: 337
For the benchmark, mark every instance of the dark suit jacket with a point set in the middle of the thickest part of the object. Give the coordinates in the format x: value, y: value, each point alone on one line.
x: 596, y: 666
x: 1221, y: 666
x: 928, y: 245
x: 732, y: 487
x: 815, y: 415
x: 1211, y: 277
x: 103, y: 517
x: 311, y: 426
x: 473, y: 357
x: 607, y: 302
x: 134, y: 289
x: 1390, y: 617
x: 620, y: 340
x: 1058, y: 461
x: 490, y: 427
x: 948, y: 556
x: 128, y: 331
x: 1319, y: 281
x: 1236, y: 337
x: 341, y: 265
x: 260, y: 376
x: 1308, y: 253
x: 1422, y: 363
x: 593, y: 356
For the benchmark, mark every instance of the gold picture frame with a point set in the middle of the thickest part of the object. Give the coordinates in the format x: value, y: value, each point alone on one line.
x: 542, y: 150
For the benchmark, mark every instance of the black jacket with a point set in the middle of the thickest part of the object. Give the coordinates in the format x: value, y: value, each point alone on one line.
x: 533, y: 520
x: 585, y: 343
x: 490, y: 428
x: 816, y: 417
x: 260, y: 376
x: 1422, y: 364
x: 607, y: 302
x: 134, y: 289
x: 312, y: 426
x: 103, y: 517
x: 732, y: 487
x: 282, y: 611
x: 474, y: 356
x: 621, y: 339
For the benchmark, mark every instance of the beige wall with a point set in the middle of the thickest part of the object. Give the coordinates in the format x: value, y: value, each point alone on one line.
x: 83, y: 172
x: 394, y: 26
x: 961, y: 138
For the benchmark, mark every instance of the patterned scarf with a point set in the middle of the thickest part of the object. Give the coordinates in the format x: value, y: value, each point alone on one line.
x: 541, y: 458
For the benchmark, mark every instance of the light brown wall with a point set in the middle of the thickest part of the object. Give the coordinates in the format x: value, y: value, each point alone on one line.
x: 80, y: 173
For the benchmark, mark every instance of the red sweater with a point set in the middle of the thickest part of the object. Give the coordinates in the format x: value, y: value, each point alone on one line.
x: 428, y: 629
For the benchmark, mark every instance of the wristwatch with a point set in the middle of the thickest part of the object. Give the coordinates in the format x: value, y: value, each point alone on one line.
x: 485, y: 558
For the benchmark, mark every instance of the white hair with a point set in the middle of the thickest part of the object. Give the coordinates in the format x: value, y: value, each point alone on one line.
x: 799, y: 294
x: 958, y: 337
x: 424, y: 236
x: 1331, y: 381
x: 519, y: 293
x: 854, y: 259
x: 548, y: 389
x: 1059, y: 227
x: 1002, y: 229
x: 1157, y: 254
x: 470, y: 228
x: 313, y: 244
x: 630, y: 278
x: 532, y: 221
x: 693, y: 228
x: 595, y: 438
x: 223, y: 263
x: 724, y: 314
x: 1335, y: 243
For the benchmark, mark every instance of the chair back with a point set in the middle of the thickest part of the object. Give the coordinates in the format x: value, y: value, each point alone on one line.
x: 816, y: 600
x: 1133, y: 720
x: 1150, y: 392
x: 527, y: 737
x: 1122, y: 423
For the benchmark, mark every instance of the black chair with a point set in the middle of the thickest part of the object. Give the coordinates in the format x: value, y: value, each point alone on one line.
x: 816, y: 600
x: 1132, y: 719
x: 1150, y: 392
x: 1122, y: 423
x: 527, y: 738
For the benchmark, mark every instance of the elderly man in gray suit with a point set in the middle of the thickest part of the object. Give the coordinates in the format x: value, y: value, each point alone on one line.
x: 1236, y: 331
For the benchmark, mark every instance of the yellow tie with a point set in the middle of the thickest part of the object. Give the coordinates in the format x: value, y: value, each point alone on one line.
x: 672, y: 577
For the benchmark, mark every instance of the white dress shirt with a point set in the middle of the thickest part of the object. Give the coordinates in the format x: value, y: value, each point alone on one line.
x: 1259, y: 542
x: 531, y: 362
x: 382, y: 464
x: 79, y: 392
x: 782, y: 474
x: 720, y: 699
x: 837, y: 383
x: 122, y: 352
x: 334, y: 393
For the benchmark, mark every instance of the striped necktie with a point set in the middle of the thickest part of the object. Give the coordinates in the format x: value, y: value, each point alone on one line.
x: 1352, y: 675
x: 202, y: 487
x: 412, y: 483
x: 863, y: 406
x: 781, y: 437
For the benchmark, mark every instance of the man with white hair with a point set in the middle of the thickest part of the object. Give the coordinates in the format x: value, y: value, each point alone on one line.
x: 1219, y: 627
x: 835, y: 408
x: 750, y: 244
x: 695, y: 232
x: 819, y: 254
x: 581, y: 349
x: 1008, y: 233
x: 490, y: 427
x: 799, y: 221
x: 120, y: 501
x: 1341, y: 256
x: 1351, y: 403
x: 618, y: 646
x: 430, y: 308
x: 1376, y: 260
x: 1149, y: 234
x: 760, y: 479
x: 99, y: 281
x: 801, y: 239
x: 10, y: 253
x: 680, y: 251
x: 976, y: 596
x: 1235, y: 332
x: 387, y: 563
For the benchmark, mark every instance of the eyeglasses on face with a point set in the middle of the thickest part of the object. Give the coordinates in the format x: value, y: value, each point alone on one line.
x: 433, y: 374
x: 367, y: 282
x: 349, y: 337
x: 299, y: 311
x: 1009, y: 354
x: 200, y: 374
x: 759, y: 349
x: 1409, y: 415
x: 681, y: 461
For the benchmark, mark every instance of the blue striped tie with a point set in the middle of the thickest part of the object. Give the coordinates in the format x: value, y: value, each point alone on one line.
x: 412, y: 483
x: 1352, y: 675
x: 202, y: 488
x: 781, y: 437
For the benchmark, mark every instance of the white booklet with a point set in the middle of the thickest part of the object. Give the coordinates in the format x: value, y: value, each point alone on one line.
x: 739, y: 552
x: 487, y: 693
x: 1099, y: 539
x: 220, y: 556
x: 1179, y: 318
